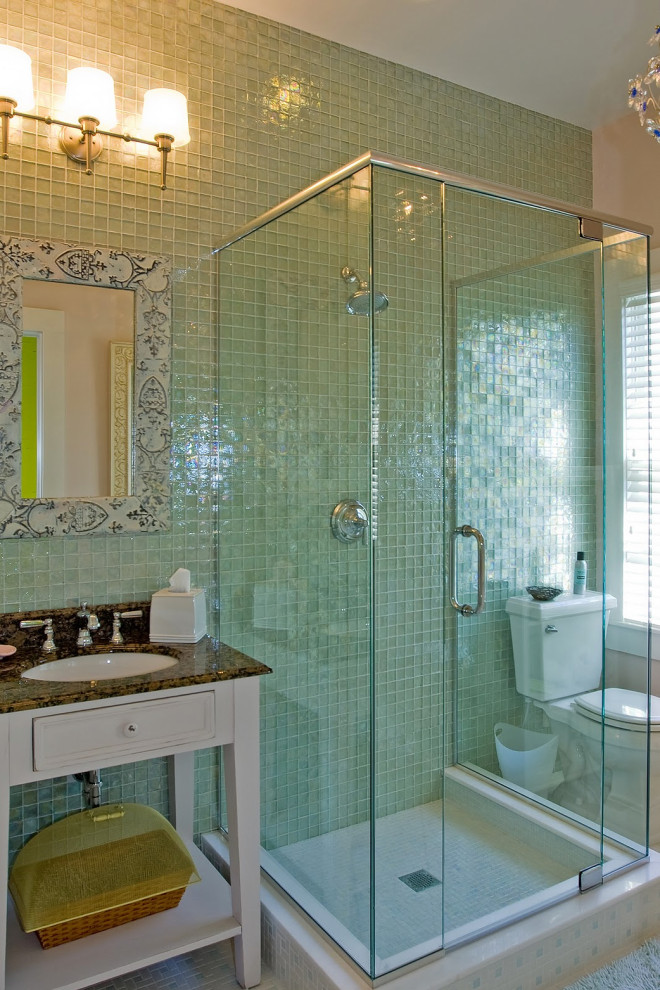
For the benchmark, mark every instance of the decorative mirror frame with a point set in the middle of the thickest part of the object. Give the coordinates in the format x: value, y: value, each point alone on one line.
x: 147, y: 509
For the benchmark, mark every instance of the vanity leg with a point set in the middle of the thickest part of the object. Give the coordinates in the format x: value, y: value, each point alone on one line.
x: 181, y: 779
x: 241, y: 765
x: 4, y: 841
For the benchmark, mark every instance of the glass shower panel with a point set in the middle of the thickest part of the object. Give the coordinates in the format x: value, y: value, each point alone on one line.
x: 523, y: 380
x: 408, y: 560
x: 295, y: 440
x: 628, y: 424
x: 408, y: 366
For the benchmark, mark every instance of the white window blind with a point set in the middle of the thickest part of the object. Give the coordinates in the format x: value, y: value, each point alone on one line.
x: 641, y: 523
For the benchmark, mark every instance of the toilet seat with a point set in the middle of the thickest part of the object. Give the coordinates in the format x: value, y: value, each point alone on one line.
x: 623, y: 709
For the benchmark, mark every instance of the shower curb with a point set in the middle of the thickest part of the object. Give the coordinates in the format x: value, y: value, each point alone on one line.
x: 548, y: 950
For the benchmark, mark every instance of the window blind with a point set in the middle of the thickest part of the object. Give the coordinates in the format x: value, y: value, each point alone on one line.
x: 641, y: 523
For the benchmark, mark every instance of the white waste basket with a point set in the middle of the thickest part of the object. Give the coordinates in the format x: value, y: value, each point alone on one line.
x: 526, y: 757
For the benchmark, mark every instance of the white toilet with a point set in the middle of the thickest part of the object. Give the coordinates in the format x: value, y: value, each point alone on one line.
x: 557, y: 651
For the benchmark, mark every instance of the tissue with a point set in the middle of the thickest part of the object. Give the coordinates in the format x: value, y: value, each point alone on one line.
x: 180, y: 580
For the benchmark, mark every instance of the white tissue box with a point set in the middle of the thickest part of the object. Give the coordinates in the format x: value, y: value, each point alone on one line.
x: 177, y: 616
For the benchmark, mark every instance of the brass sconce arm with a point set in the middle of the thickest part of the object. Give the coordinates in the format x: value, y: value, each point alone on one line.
x: 164, y: 144
x: 82, y: 141
x: 7, y: 111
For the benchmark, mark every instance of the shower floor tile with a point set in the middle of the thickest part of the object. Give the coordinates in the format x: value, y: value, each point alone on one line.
x: 488, y: 868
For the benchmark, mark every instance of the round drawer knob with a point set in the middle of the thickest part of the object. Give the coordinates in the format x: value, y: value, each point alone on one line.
x: 131, y: 729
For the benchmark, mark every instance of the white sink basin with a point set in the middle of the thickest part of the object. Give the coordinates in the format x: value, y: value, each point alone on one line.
x: 99, y: 667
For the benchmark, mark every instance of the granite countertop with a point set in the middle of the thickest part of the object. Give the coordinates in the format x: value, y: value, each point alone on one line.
x: 200, y: 663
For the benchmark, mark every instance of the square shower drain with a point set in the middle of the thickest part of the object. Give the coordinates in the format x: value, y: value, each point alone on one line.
x: 420, y: 880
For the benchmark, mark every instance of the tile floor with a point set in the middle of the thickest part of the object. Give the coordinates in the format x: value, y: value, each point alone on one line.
x: 211, y: 968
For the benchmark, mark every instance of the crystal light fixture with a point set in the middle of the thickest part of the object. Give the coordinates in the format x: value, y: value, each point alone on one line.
x: 644, y: 92
x: 90, y: 102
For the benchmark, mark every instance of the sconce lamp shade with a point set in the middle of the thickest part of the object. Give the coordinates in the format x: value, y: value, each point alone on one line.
x: 16, y: 78
x: 90, y: 93
x: 165, y: 112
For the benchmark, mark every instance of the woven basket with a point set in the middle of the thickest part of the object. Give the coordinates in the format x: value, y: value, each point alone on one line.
x: 69, y: 931
x: 99, y: 869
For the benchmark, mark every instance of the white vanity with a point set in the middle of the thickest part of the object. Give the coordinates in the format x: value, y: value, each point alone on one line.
x: 209, y: 705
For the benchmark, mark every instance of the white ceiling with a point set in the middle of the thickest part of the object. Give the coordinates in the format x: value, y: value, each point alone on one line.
x: 570, y: 59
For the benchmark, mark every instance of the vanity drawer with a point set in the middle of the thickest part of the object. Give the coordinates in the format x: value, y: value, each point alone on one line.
x: 130, y: 729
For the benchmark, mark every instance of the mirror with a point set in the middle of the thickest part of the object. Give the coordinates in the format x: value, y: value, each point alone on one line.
x: 76, y: 390
x: 47, y: 288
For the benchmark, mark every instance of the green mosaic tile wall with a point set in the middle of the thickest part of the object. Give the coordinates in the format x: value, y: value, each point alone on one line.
x: 271, y: 110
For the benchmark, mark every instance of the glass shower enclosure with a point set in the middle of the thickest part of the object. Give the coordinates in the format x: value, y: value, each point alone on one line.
x: 413, y: 418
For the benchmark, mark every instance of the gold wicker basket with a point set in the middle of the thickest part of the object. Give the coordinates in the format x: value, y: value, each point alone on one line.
x: 98, y: 869
x: 69, y: 931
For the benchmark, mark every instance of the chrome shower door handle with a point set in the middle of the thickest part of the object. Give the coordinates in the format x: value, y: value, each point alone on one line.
x: 481, y: 570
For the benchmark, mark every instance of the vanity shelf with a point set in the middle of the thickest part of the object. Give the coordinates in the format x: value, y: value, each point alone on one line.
x: 58, y: 739
x: 203, y: 917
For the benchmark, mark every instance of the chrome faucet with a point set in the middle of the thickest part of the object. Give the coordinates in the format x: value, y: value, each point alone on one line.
x: 85, y: 633
x: 48, y: 645
x: 117, y: 637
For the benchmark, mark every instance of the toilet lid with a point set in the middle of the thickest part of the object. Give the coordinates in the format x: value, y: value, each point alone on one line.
x: 622, y: 708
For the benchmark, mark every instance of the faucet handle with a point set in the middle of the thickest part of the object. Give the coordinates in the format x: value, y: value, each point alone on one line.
x: 117, y: 637
x: 45, y: 624
x: 49, y: 642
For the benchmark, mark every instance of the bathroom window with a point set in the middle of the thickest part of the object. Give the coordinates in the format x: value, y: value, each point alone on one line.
x: 641, y: 557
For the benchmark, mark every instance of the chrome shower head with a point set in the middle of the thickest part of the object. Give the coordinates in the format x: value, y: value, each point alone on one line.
x: 359, y: 304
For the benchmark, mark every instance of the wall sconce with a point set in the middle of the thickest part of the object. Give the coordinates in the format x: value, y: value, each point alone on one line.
x: 90, y: 100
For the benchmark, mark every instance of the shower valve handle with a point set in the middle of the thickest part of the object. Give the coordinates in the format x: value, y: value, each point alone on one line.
x: 349, y: 521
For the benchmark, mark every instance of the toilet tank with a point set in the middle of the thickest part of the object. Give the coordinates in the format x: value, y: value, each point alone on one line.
x: 557, y: 646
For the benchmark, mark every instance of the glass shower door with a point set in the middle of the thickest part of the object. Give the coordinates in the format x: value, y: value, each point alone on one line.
x: 524, y: 356
x: 294, y: 574
x: 408, y: 569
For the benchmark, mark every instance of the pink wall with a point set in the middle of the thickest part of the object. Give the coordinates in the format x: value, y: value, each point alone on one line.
x: 626, y: 164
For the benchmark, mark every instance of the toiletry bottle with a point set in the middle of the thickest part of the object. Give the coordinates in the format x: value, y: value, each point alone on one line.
x: 580, y: 575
